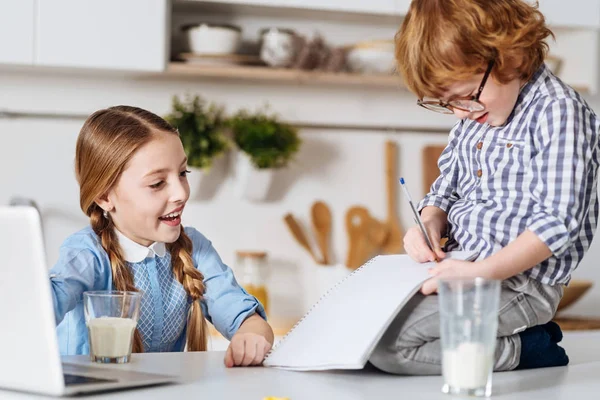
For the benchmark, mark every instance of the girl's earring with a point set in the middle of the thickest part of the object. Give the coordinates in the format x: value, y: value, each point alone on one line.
x: 105, y: 213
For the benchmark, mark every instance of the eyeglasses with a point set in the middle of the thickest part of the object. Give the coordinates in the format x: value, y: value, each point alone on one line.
x: 468, y: 104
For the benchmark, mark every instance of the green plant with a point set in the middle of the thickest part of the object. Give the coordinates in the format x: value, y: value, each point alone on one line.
x: 202, y: 128
x: 269, y: 142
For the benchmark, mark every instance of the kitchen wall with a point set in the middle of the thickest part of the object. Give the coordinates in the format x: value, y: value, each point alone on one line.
x: 340, y: 166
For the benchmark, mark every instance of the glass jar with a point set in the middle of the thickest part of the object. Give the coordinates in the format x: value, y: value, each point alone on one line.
x: 251, y: 272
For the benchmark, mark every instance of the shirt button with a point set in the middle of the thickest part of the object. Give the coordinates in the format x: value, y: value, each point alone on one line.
x: 509, y: 145
x: 479, y: 173
x: 479, y: 145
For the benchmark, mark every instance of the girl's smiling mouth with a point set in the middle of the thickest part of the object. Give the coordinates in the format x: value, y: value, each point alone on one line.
x: 173, y: 218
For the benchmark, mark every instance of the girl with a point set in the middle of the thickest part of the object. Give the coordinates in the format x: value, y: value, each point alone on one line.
x: 131, y: 169
x: 518, y: 179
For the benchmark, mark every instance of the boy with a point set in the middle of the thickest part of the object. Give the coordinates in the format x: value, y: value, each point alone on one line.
x: 518, y: 180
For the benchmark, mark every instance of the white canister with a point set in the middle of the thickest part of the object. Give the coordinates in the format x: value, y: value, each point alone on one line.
x: 278, y: 47
x: 213, y: 39
x: 319, y: 279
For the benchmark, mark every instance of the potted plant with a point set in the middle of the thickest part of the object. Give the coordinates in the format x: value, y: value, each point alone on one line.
x: 265, y: 144
x: 202, y: 128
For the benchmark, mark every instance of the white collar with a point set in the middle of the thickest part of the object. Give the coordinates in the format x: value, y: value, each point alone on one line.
x: 134, y: 252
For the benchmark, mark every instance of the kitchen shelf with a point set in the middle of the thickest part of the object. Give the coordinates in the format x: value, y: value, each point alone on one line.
x: 283, y: 75
x: 267, y: 74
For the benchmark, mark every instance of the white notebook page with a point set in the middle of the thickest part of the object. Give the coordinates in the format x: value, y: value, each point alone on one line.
x: 342, y: 329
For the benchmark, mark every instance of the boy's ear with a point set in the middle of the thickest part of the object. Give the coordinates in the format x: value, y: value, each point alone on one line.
x: 105, y: 203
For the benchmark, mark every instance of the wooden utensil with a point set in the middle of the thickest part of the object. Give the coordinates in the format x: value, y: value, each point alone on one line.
x: 378, y: 233
x: 357, y: 226
x: 429, y: 160
x: 299, y: 235
x: 393, y: 244
x: 366, y: 235
x: 321, y: 221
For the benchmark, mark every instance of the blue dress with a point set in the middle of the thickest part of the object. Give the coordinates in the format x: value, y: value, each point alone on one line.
x: 83, y: 265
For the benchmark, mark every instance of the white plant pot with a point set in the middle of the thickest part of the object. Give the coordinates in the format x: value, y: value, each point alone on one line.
x: 318, y: 280
x: 252, y: 183
x: 195, y: 179
x: 205, y: 181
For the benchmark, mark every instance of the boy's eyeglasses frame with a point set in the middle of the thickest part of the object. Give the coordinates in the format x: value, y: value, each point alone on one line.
x: 467, y: 104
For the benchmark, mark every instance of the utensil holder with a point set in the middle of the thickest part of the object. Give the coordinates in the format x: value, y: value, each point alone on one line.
x: 317, y: 279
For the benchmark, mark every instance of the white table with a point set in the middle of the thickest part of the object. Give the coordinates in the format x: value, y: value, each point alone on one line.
x: 204, y: 376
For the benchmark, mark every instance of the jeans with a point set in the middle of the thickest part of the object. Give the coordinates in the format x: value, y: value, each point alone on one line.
x: 411, y: 345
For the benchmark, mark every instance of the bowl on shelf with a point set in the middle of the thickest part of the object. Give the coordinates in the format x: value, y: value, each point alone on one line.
x: 573, y: 292
x: 372, y: 57
x: 213, y: 39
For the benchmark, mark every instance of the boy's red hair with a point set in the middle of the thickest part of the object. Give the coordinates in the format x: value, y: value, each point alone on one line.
x: 442, y: 42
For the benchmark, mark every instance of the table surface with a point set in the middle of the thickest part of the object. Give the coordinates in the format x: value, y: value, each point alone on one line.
x: 204, y: 375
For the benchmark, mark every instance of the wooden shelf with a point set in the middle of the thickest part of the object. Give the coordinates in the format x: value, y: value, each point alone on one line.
x: 282, y: 75
x: 266, y: 74
x: 578, y: 323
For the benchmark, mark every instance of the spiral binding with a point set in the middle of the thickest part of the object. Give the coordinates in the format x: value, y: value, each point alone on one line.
x: 323, y: 296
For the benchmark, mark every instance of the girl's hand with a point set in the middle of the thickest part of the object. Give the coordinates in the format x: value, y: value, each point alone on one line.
x: 246, y: 349
x: 416, y: 246
x: 454, y: 269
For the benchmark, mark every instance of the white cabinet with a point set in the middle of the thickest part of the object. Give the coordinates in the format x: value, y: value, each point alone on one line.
x: 16, y: 31
x: 401, y: 7
x: 104, y: 34
x: 572, y: 13
x: 357, y: 6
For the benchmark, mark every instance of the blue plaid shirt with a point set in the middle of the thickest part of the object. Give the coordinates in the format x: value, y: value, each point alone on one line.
x: 538, y: 172
x: 83, y: 265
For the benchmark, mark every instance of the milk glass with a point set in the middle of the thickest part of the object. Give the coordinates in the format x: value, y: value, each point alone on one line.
x: 468, y: 325
x: 111, y: 318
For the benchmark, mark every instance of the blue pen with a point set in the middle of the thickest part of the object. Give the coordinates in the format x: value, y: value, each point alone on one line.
x: 417, y: 218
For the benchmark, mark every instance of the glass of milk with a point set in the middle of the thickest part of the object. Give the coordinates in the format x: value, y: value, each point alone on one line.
x: 111, y: 318
x: 468, y: 325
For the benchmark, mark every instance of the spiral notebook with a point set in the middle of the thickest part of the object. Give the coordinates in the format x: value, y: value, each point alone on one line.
x: 341, y: 330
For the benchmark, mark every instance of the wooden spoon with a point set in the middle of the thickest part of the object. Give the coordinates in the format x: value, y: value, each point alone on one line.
x: 299, y: 235
x: 321, y: 221
x: 393, y: 244
x: 357, y: 226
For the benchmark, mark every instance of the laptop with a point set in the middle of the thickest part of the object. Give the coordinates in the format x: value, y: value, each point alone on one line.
x: 29, y: 355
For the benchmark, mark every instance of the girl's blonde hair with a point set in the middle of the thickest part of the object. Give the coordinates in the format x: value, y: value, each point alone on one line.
x: 442, y: 42
x: 107, y: 141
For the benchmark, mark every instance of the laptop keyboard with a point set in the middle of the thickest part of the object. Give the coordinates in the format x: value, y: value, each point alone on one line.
x: 80, y: 380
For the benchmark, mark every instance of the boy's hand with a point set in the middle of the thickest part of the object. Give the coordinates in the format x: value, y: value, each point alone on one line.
x: 416, y: 246
x: 246, y: 349
x: 454, y: 269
